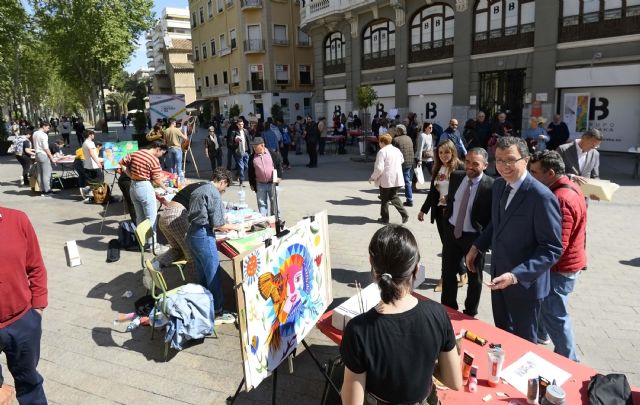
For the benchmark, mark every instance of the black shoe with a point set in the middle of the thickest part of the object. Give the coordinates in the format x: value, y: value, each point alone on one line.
x: 408, y: 204
x: 379, y: 197
x: 309, y: 165
x: 405, y: 219
x: 383, y: 221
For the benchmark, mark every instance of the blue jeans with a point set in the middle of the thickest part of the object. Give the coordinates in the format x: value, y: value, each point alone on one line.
x: 144, y: 202
x: 21, y: 344
x: 174, y: 160
x: 202, y: 242
x: 407, y: 173
x: 266, y: 195
x: 243, y: 163
x: 554, y: 316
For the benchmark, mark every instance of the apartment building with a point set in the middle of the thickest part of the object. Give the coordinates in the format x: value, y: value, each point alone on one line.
x: 449, y: 58
x: 169, y: 50
x: 252, y: 53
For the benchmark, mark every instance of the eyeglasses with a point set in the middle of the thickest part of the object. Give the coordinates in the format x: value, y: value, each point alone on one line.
x: 508, y: 162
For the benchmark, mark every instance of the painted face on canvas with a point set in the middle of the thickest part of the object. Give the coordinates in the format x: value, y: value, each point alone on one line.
x: 295, y: 284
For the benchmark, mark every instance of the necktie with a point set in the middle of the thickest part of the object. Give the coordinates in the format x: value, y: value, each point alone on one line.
x: 462, y: 212
x: 505, y: 198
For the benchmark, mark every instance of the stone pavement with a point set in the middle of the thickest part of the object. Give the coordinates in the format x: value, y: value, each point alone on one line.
x: 87, y: 359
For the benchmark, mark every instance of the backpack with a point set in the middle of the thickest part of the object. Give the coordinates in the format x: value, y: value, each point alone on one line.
x: 610, y: 389
x: 113, y: 251
x: 127, y: 235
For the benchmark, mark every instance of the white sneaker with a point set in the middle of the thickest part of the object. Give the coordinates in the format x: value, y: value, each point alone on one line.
x: 160, y: 249
x: 224, y: 318
x: 147, y: 281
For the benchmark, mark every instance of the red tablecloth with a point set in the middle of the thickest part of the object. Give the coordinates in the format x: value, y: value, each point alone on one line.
x: 575, y: 387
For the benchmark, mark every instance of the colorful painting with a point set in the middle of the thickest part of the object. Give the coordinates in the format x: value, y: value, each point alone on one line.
x: 575, y: 113
x: 285, y: 289
x: 113, y: 152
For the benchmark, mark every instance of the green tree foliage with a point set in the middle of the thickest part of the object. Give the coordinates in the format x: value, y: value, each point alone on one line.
x: 276, y: 113
x: 121, y: 100
x: 234, y: 111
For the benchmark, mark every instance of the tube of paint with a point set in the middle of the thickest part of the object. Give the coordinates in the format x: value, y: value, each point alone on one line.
x: 473, y: 379
x: 532, y: 391
x: 496, y: 359
x: 473, y: 337
x: 467, y: 362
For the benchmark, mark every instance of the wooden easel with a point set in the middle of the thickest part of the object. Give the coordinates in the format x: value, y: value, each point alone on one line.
x: 191, y: 127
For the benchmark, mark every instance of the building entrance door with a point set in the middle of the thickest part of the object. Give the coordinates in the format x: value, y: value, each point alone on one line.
x: 503, y: 91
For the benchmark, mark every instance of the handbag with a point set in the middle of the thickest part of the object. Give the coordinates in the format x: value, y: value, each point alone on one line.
x: 101, y: 193
x: 427, y: 154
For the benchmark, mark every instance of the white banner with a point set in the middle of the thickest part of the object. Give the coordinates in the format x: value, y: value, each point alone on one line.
x: 614, y: 111
x: 167, y: 106
x: 432, y: 107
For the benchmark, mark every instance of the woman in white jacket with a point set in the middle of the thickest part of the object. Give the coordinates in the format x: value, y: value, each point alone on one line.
x: 387, y: 174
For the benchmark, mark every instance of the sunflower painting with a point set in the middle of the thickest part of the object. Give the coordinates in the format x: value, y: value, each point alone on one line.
x: 288, y: 286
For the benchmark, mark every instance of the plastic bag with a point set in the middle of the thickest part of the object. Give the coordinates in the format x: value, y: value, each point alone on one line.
x: 419, y: 174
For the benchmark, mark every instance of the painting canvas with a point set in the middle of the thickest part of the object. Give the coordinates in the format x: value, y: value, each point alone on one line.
x: 285, y: 288
x: 113, y: 152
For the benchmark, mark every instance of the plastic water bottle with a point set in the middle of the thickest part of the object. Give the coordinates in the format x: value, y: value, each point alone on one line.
x: 241, y: 198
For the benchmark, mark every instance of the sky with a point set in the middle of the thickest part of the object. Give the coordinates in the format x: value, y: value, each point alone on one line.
x: 139, y: 57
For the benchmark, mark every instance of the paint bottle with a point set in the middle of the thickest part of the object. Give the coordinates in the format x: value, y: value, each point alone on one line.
x: 473, y: 379
x: 554, y: 396
x: 473, y: 337
x: 532, y: 391
x: 467, y: 362
x: 496, y: 359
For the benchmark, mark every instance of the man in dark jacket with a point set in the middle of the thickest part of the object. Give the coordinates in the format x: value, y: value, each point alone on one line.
x: 452, y: 134
x: 405, y: 144
x: 265, y: 169
x: 312, y: 137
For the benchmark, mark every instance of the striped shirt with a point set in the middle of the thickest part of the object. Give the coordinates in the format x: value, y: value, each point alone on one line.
x: 142, y: 165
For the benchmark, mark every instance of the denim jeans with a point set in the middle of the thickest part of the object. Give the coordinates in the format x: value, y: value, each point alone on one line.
x: 21, y: 344
x: 202, y: 242
x: 266, y: 195
x: 243, y: 163
x: 554, y: 316
x: 144, y: 202
x: 407, y: 172
x: 174, y: 160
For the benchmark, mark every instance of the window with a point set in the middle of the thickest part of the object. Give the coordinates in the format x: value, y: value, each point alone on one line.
x: 220, y: 6
x: 304, y: 74
x: 204, y: 50
x: 280, y: 36
x: 256, y: 78
x: 193, y: 20
x: 201, y: 11
x: 235, y: 76
x: 613, y: 18
x: 379, y: 42
x: 215, y: 79
x: 199, y: 83
x: 233, y: 39
x: 282, y: 74
x: 209, y: 8
x: 432, y: 27
x: 197, y: 53
x: 223, y: 42
x: 213, y: 46
x: 502, y: 18
x: 334, y: 48
x: 303, y: 38
x: 206, y: 81
x: 225, y: 78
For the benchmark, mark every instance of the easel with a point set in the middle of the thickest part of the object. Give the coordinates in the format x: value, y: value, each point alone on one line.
x: 191, y: 127
x: 106, y: 206
x: 232, y: 399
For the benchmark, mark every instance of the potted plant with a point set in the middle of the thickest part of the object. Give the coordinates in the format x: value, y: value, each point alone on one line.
x: 367, y: 97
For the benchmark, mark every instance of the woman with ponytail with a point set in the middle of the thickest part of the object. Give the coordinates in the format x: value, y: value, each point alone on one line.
x: 390, y: 352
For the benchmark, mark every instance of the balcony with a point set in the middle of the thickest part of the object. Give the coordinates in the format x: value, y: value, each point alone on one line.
x: 503, y: 39
x: 314, y: 10
x: 224, y: 51
x: 598, y: 27
x: 253, y: 46
x: 332, y: 67
x: 306, y: 43
x: 379, y: 59
x: 281, y: 83
x: 281, y: 41
x: 215, y: 91
x: 427, y: 51
x: 255, y: 85
x: 228, y: 3
x: 248, y: 4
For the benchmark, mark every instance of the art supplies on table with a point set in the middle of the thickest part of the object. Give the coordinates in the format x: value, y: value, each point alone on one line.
x: 364, y: 300
x: 232, y: 247
x: 530, y: 365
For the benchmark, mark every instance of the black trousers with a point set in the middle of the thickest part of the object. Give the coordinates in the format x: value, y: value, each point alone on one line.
x: 25, y: 162
x: 66, y: 139
x: 390, y: 196
x: 312, y: 150
x: 284, y: 151
x: 453, y: 253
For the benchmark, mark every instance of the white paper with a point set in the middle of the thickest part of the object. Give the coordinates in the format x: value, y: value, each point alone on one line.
x: 531, y: 366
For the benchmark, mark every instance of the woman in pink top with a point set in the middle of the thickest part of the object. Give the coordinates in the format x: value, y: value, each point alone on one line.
x: 387, y: 174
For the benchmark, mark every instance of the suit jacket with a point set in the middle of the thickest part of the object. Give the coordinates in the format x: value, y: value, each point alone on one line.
x: 526, y: 239
x: 481, y: 208
x: 569, y: 153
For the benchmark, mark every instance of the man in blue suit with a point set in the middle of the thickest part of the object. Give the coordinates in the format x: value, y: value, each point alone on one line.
x: 525, y: 238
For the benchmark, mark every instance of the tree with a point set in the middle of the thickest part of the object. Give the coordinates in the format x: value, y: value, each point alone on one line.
x: 367, y: 97
x: 234, y: 111
x: 121, y: 99
x: 276, y: 113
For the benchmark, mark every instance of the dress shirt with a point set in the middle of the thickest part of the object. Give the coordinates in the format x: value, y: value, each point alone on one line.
x: 515, y: 186
x: 466, y: 227
x: 582, y: 156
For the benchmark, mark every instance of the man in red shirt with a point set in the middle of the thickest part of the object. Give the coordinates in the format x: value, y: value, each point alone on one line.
x: 23, y: 297
x: 548, y: 168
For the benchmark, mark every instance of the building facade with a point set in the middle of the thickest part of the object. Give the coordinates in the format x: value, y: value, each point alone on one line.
x: 169, y: 50
x: 252, y: 53
x: 443, y: 59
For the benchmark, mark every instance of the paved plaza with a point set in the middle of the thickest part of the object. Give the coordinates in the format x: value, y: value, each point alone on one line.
x: 86, y: 359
